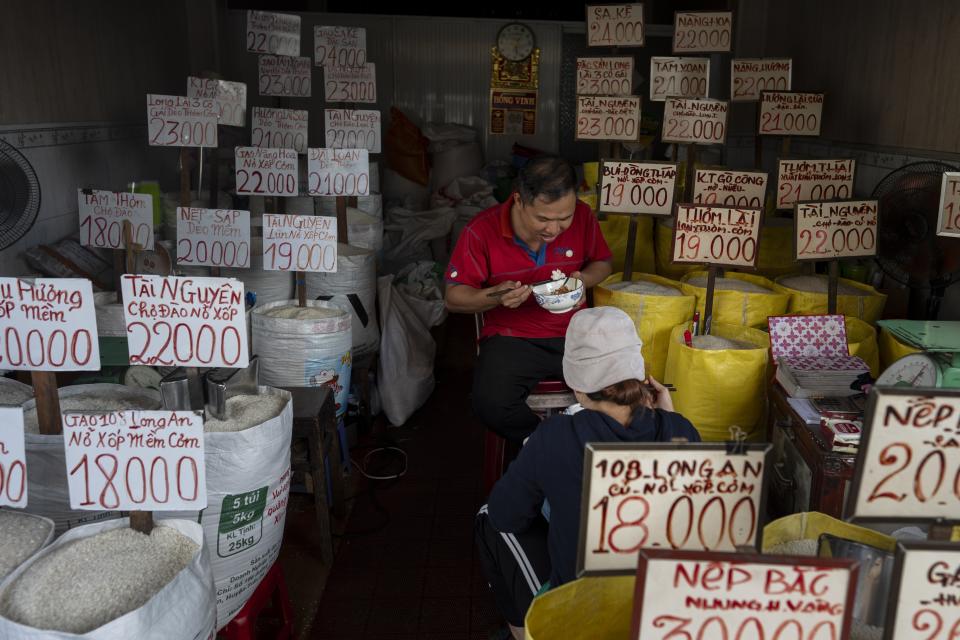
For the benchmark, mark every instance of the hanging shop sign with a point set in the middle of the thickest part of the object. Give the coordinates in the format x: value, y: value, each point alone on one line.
x: 513, y: 112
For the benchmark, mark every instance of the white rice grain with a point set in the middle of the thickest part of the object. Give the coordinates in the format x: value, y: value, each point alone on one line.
x: 22, y: 536
x: 729, y: 284
x: 87, y: 583
x: 805, y: 547
x: 102, y: 401
x: 644, y: 287
x: 716, y: 343
x: 244, y: 412
x: 293, y: 312
x: 861, y: 631
x: 13, y: 393
x: 818, y: 284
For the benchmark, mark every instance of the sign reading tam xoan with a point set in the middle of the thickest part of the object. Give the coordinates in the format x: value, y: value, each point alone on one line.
x: 695, y: 121
x: 749, y: 77
x: 149, y: 460
x: 339, y: 46
x: 104, y: 213
x: 277, y: 33
x: 678, y: 78
x: 352, y: 129
x: 279, y: 128
x: 608, y: 118
x: 786, y: 113
x: 13, y: 458
x: 284, y: 77
x: 189, y: 322
x: 831, y: 230
x: 350, y: 84
x: 605, y: 76
x: 813, y: 180
x: 213, y: 237
x: 339, y: 172
x: 948, y: 223
x: 615, y: 25
x: 637, y: 187
x: 299, y: 243
x: 702, y: 31
x: 178, y: 121
x: 48, y: 324
x: 731, y: 188
x: 231, y: 97
x: 266, y: 172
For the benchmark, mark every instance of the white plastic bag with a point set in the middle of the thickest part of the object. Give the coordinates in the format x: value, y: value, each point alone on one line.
x: 409, y: 235
x: 419, y: 284
x: 184, y: 608
x: 406, y: 355
x: 353, y: 288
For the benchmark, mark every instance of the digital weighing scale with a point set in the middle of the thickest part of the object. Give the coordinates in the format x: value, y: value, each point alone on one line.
x: 938, y: 364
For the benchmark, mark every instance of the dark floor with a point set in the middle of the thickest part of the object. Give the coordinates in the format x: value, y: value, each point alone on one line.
x: 406, y: 566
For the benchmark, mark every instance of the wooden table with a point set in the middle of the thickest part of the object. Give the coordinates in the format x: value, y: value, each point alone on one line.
x: 807, y: 475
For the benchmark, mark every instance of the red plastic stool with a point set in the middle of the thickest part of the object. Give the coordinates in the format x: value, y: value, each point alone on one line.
x: 270, y: 594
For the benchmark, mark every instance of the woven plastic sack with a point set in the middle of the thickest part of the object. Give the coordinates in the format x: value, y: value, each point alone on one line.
x: 663, y: 248
x: 184, y: 608
x: 49, y: 523
x: 868, y: 308
x: 591, y: 608
x: 891, y: 349
x: 739, y: 307
x: 718, y: 390
x: 616, y: 232
x: 862, y: 341
x: 654, y: 316
x: 353, y: 288
x: 13, y: 393
x: 775, y: 253
x: 810, y: 524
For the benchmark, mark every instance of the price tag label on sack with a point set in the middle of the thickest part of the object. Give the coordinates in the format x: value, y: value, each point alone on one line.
x: 142, y: 460
x: 716, y: 235
x: 189, y: 322
x: 608, y: 118
x: 13, y: 459
x: 213, y: 237
x: 730, y: 188
x: 102, y: 214
x: 690, y: 594
x: 279, y: 128
x: 637, y: 187
x: 751, y: 76
x: 813, y: 180
x: 178, y: 121
x: 604, y: 76
x: 830, y: 230
x: 299, y: 243
x: 262, y: 171
x: 694, y: 121
x: 48, y: 324
x: 948, y: 223
x: 352, y: 129
x: 690, y: 496
x: 678, y: 78
x: 284, y: 77
x: 339, y: 172
x: 615, y: 25
x: 231, y: 97
x: 277, y: 33
x: 702, y: 31
x: 784, y: 113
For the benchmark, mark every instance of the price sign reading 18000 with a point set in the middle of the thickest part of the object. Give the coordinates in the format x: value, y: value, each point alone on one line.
x: 717, y: 235
x: 829, y: 230
x: 103, y: 215
x: 637, y: 187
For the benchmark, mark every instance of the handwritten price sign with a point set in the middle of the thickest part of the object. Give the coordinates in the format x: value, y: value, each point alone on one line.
x: 13, y: 459
x: 783, y: 113
x: 103, y: 213
x: 608, y: 118
x: 48, y: 325
x: 948, y: 223
x: 691, y: 496
x: 830, y: 230
x: 695, y: 121
x: 178, y: 121
x: 213, y: 237
x: 266, y: 172
x: 231, y: 97
x: 637, y: 187
x: 717, y: 235
x: 750, y: 77
x: 350, y: 84
x: 145, y: 460
x: 730, y: 188
x: 909, y: 462
x: 352, y: 129
x: 678, y: 78
x: 604, y: 76
x: 339, y: 172
x: 284, y: 77
x: 702, y: 31
x: 813, y: 180
x: 277, y: 33
x: 615, y: 25
x: 339, y: 46
x: 686, y: 594
x: 279, y: 129
x: 299, y: 243
x: 924, y: 593
x: 190, y: 322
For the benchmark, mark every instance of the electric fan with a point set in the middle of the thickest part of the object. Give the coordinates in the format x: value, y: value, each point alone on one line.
x: 909, y: 251
x: 19, y: 195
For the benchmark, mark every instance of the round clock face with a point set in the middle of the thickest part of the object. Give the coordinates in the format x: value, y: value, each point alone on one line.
x: 515, y: 42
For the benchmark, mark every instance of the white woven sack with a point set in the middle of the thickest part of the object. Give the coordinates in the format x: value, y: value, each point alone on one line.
x: 353, y: 288
x: 269, y: 286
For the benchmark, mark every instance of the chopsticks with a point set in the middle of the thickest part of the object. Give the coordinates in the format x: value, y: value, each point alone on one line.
x: 497, y: 294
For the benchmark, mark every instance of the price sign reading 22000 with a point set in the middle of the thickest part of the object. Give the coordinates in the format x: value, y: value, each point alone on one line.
x: 716, y: 235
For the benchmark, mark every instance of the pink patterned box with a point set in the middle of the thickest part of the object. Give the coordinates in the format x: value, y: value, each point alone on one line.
x: 818, y: 335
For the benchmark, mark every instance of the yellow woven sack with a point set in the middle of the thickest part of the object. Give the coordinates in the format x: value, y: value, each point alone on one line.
x: 739, y: 307
x: 867, y: 308
x: 719, y: 389
x: 891, y: 349
x: 654, y: 316
x: 862, y: 341
x: 809, y: 525
x: 616, y: 231
x: 664, y: 250
x: 591, y: 608
x: 775, y: 253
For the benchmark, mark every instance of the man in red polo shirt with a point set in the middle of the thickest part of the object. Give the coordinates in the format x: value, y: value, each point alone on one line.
x: 541, y: 228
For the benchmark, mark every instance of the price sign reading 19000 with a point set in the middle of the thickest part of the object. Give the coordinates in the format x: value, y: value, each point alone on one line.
x: 711, y: 234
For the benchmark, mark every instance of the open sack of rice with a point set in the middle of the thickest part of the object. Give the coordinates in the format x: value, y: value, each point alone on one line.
x: 738, y: 299
x: 808, y: 295
x: 22, y: 535
x: 656, y: 306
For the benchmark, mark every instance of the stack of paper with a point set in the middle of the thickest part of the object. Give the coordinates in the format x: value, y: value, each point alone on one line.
x: 819, y: 376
